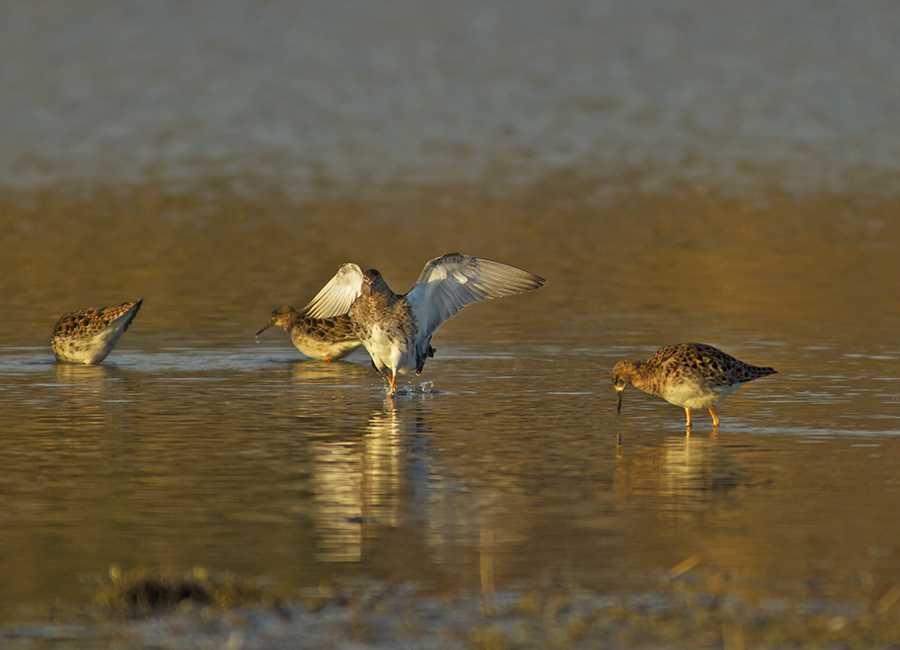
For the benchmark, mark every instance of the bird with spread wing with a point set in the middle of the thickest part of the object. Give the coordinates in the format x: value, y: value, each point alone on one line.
x: 397, y: 329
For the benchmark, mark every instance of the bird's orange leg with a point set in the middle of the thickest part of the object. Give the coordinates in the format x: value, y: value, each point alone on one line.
x: 715, y: 419
x: 688, y: 411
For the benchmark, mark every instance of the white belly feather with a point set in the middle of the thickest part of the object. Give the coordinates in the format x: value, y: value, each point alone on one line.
x: 692, y: 395
x: 389, y: 353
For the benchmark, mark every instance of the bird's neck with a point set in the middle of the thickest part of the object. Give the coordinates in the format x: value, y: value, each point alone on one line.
x: 377, y: 303
x: 641, y: 375
x: 293, y: 318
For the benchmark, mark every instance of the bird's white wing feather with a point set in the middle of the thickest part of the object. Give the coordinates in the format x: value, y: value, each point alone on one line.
x: 449, y: 283
x: 336, y: 297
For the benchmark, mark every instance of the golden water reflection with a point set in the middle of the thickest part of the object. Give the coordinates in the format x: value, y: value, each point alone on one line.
x: 196, y: 445
x: 388, y: 479
x: 357, y: 484
x: 681, y: 475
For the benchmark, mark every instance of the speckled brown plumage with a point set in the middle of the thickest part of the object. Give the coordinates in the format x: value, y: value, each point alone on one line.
x: 328, y: 339
x: 397, y: 329
x: 89, y: 335
x: 689, y: 375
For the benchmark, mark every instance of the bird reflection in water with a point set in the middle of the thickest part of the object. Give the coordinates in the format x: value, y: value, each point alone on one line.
x: 678, y: 477
x: 375, y: 480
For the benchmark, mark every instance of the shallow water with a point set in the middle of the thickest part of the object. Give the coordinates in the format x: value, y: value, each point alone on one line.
x: 504, y: 462
x: 193, y: 444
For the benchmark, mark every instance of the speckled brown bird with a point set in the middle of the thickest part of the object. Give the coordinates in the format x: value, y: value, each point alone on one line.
x: 397, y: 329
x: 689, y: 375
x: 89, y: 335
x: 328, y: 339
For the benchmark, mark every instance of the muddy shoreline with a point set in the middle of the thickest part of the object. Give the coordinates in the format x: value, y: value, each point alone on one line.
x: 693, y: 607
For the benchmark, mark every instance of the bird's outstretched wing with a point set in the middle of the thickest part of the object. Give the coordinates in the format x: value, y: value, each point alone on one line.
x: 336, y: 297
x: 449, y: 283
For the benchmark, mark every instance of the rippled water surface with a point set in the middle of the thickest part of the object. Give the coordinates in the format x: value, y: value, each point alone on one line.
x: 749, y: 203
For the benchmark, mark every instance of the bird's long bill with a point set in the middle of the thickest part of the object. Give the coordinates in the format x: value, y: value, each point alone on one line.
x: 268, y: 325
x: 619, y: 402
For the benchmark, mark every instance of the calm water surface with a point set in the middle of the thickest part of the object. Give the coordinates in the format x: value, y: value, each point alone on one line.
x: 763, y: 223
x: 194, y: 445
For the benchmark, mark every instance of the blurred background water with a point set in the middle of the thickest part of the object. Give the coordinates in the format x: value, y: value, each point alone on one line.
x: 676, y: 170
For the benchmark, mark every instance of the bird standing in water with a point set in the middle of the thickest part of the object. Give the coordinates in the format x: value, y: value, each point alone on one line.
x: 328, y: 339
x: 89, y: 335
x: 689, y: 375
x: 397, y: 329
